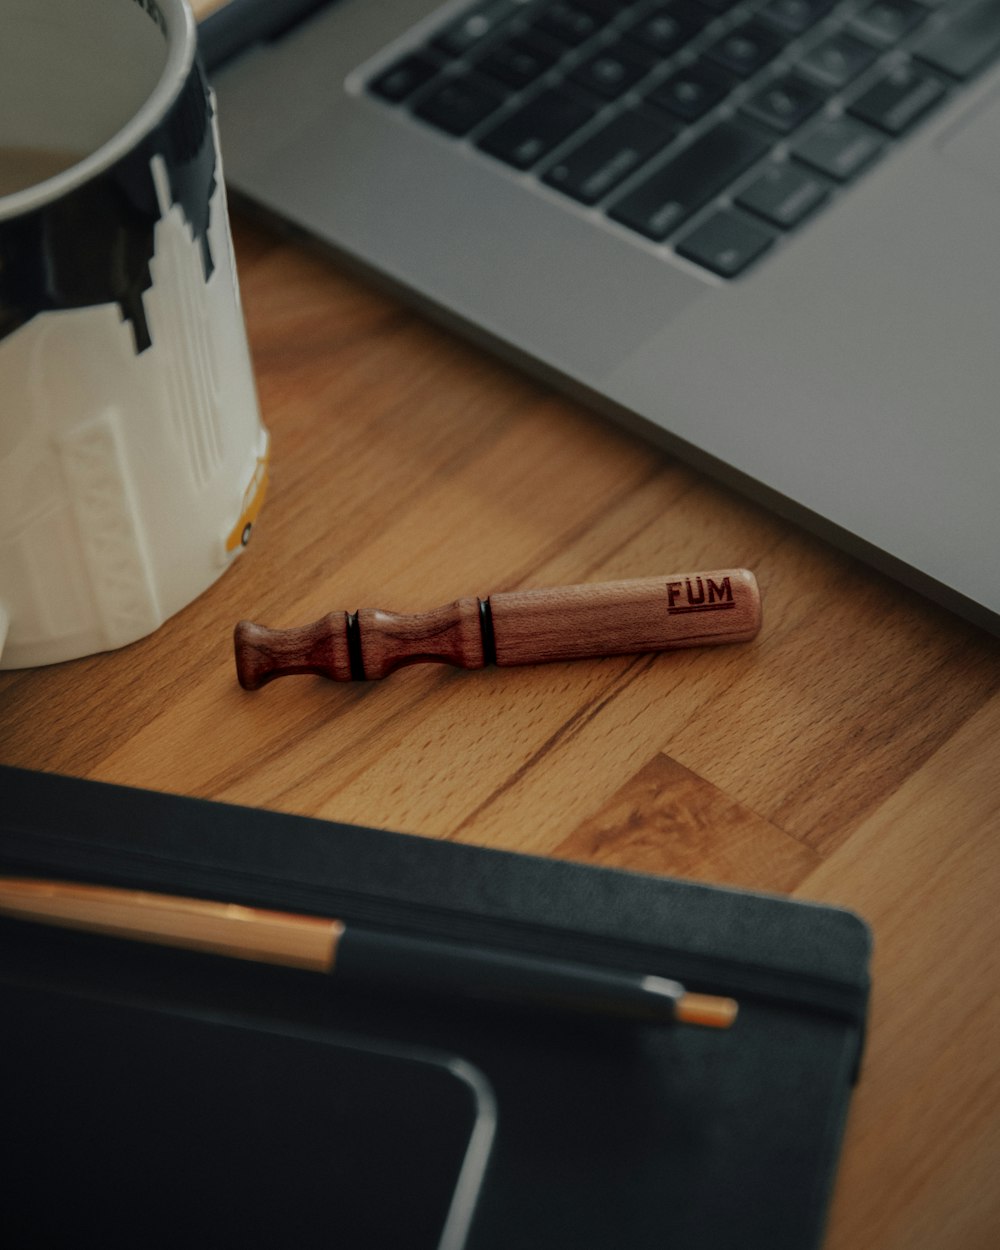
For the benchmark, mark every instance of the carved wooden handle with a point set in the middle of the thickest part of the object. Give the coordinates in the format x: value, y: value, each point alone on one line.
x: 514, y: 627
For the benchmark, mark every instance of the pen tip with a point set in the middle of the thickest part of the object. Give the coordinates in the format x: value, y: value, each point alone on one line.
x: 708, y: 1010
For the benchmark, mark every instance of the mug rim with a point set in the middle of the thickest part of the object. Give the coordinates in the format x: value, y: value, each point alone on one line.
x: 182, y: 39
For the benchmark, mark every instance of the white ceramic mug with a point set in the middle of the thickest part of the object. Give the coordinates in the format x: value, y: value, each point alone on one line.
x: 132, y: 455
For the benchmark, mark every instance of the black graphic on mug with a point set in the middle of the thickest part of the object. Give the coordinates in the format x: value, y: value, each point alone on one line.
x: 42, y: 266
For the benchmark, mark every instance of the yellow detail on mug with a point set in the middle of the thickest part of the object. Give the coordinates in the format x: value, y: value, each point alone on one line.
x: 253, y: 499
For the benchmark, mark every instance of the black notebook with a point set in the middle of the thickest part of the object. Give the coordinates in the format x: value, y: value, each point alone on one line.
x: 561, y: 1132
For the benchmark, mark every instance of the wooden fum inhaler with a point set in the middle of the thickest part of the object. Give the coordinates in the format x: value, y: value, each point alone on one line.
x: 511, y: 628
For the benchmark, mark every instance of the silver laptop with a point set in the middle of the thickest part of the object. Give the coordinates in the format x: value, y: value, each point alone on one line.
x: 765, y: 233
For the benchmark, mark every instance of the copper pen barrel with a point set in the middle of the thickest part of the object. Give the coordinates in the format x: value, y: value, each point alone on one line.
x: 369, y: 958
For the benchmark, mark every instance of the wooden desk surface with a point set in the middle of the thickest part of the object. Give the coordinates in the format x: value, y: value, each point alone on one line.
x: 851, y: 754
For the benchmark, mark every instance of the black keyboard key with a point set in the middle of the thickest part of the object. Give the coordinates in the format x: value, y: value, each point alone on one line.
x: 459, y: 104
x: 839, y: 147
x: 611, y: 71
x: 571, y: 24
x: 475, y: 25
x: 530, y: 133
x: 745, y: 49
x: 838, y: 60
x: 600, y: 163
x: 692, y: 91
x: 726, y: 243
x: 796, y: 16
x: 518, y: 61
x: 668, y: 28
x: 784, y: 104
x: 784, y: 194
x: 401, y: 80
x: 965, y: 42
x: 899, y: 99
x: 698, y: 173
x: 886, y: 21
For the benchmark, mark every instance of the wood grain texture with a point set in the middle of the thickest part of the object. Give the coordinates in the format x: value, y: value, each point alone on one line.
x: 625, y: 617
x: 534, y: 626
x: 319, y: 648
x: 850, y: 753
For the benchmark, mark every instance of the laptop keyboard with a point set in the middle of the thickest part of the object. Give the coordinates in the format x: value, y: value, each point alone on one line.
x: 710, y: 127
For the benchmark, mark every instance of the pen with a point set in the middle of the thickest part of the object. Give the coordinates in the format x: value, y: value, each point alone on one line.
x: 511, y: 628
x: 360, y: 955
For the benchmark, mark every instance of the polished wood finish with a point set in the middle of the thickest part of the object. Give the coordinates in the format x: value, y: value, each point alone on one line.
x: 452, y: 634
x: 626, y: 617
x: 320, y: 648
x: 849, y: 754
x: 520, y: 627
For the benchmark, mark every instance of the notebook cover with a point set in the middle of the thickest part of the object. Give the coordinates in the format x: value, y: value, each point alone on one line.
x: 607, y: 1134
